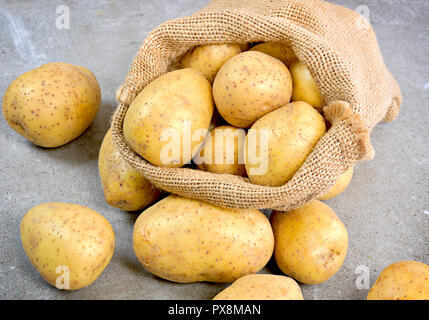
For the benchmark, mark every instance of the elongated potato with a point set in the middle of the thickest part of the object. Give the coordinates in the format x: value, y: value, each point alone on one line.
x: 262, y: 287
x: 68, y: 244
x: 304, y: 86
x: 167, y: 122
x: 279, y: 142
x: 184, y: 240
x: 124, y: 187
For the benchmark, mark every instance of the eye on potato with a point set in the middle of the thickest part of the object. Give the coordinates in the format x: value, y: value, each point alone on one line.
x: 291, y: 133
x: 124, y: 187
x: 262, y: 287
x: 278, y: 51
x: 310, y: 242
x: 250, y: 85
x: 223, y: 151
x: 341, y: 185
x: 185, y: 240
x: 167, y: 113
x: 52, y: 104
x: 69, y: 240
x: 209, y: 59
x: 304, y: 86
x: 403, y: 280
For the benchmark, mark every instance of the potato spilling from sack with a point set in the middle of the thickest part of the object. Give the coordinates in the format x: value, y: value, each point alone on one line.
x: 167, y: 122
x: 262, y: 287
x: 68, y: 244
x: 53, y: 104
x: 250, y: 85
x: 124, y: 187
x: 184, y: 240
x: 311, y: 242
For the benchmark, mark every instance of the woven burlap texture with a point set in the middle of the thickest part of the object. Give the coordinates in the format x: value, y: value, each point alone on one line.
x: 341, y: 50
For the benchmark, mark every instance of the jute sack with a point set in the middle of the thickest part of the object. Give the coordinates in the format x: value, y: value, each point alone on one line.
x: 341, y: 50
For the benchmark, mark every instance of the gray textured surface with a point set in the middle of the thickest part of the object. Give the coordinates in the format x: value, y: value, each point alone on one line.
x: 385, y: 209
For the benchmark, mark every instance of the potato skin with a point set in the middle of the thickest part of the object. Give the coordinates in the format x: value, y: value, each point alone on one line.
x: 304, y: 86
x: 403, y: 280
x: 169, y: 102
x: 293, y: 131
x: 341, y: 185
x: 184, y: 240
x: 278, y: 51
x: 310, y: 242
x: 209, y: 59
x: 262, y: 287
x: 52, y: 104
x: 55, y: 234
x: 250, y: 85
x: 210, y: 146
x: 124, y: 187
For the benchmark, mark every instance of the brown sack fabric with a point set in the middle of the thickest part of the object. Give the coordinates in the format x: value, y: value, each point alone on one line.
x: 341, y: 50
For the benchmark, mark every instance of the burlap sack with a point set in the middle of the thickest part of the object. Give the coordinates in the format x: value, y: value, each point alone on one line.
x: 338, y: 46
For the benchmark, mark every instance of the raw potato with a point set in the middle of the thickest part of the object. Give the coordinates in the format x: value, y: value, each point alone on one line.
x: 184, y: 240
x: 124, y: 187
x: 60, y: 236
x: 404, y: 280
x: 210, y: 58
x: 229, y: 151
x: 262, y: 287
x: 278, y: 51
x: 52, y: 104
x: 179, y: 102
x: 341, y: 185
x: 249, y: 86
x: 311, y: 242
x: 244, y: 46
x: 304, y: 86
x: 292, y: 133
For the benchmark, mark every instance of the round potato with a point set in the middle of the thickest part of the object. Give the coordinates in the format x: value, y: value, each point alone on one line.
x: 262, y: 287
x: 53, y: 104
x: 277, y: 50
x: 250, y: 85
x: 304, y: 86
x: 184, y: 240
x: 167, y: 122
x: 311, y: 242
x: 68, y: 244
x: 403, y: 280
x: 209, y: 59
x: 223, y: 151
x: 341, y: 185
x: 279, y: 142
x: 124, y: 187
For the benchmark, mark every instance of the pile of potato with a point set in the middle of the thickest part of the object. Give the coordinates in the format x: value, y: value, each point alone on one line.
x: 249, y: 92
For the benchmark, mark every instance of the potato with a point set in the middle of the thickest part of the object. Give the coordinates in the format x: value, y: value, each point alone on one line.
x: 226, y: 143
x: 310, y: 242
x: 403, y: 280
x: 278, y: 51
x: 124, y: 187
x: 341, y: 185
x: 52, y: 104
x: 68, y: 244
x: 250, y: 85
x: 184, y: 240
x: 262, y: 287
x: 290, y: 134
x: 209, y: 59
x: 167, y: 122
x: 244, y: 46
x: 304, y: 86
